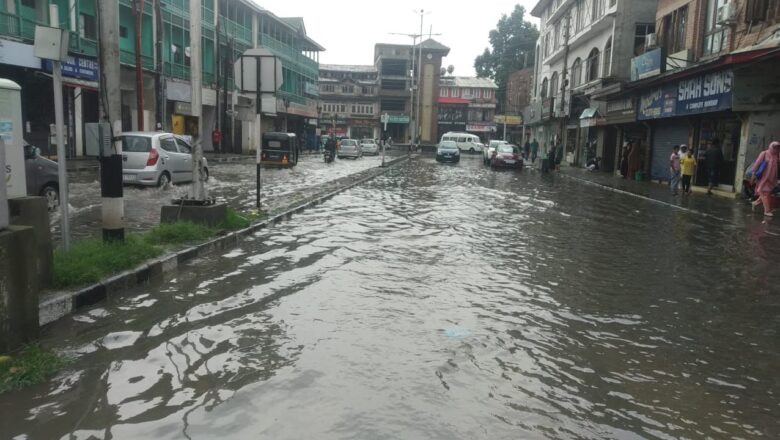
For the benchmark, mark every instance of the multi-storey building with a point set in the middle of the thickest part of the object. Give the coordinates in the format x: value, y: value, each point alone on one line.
x: 467, y: 104
x: 584, y: 46
x: 519, y: 86
x: 349, y: 101
x: 228, y: 29
x: 397, y: 64
x: 707, y: 75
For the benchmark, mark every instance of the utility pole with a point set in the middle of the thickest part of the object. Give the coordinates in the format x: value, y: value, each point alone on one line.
x: 138, y: 8
x: 564, y: 79
x: 417, y: 135
x: 113, y: 208
x: 217, y: 73
x: 160, y: 70
x: 59, y: 122
x: 412, y: 108
x: 198, y: 187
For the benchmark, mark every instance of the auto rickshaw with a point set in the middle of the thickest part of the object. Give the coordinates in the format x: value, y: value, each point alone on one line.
x: 280, y: 150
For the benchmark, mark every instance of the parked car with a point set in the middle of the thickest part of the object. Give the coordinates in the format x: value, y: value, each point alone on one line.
x: 466, y: 142
x: 156, y: 159
x: 491, y: 148
x: 447, y: 151
x: 507, y: 156
x: 350, y: 148
x: 370, y: 147
x: 42, y: 176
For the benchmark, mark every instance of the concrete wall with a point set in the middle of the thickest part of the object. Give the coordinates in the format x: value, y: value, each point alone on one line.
x: 18, y: 288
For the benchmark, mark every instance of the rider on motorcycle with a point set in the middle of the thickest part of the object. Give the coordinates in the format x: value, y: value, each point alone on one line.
x: 330, y: 147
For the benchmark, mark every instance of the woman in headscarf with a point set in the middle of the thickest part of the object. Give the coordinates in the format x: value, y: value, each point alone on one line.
x: 624, y: 159
x: 768, y: 180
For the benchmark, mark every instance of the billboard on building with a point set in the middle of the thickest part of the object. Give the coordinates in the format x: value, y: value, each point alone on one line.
x: 647, y: 65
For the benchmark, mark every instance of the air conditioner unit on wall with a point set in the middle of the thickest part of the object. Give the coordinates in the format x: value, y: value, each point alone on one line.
x: 651, y: 41
x: 727, y: 14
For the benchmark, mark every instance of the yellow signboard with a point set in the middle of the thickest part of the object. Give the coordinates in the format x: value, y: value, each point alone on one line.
x: 509, y: 120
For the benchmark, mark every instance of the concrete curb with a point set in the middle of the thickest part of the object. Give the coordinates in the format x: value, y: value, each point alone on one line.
x: 57, y: 305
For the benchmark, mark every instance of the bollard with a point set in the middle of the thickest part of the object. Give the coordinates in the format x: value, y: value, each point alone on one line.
x: 18, y: 288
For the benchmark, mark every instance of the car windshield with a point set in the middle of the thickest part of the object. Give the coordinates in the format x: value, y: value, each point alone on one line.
x: 505, y: 149
x: 448, y: 146
x: 136, y: 144
x: 348, y: 143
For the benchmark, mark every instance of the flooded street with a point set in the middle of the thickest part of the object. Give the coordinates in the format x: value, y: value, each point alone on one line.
x: 437, y: 302
x: 233, y: 183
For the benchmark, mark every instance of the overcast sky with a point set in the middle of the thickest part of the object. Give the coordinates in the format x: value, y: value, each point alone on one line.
x: 348, y: 29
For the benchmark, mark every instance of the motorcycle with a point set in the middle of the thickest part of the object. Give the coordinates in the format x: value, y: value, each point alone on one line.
x: 328, y: 156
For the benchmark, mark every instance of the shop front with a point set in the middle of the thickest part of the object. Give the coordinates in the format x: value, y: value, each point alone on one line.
x: 453, y: 116
x: 482, y: 129
x: 622, y: 127
x: 696, y: 111
x: 362, y: 128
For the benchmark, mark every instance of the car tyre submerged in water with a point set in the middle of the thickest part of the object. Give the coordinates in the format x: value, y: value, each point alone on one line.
x: 164, y: 180
x: 52, y: 196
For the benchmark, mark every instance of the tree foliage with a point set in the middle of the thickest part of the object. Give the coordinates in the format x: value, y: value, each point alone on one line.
x: 513, y: 44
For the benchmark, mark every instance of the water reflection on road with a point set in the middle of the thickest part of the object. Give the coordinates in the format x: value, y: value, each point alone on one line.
x: 438, y: 302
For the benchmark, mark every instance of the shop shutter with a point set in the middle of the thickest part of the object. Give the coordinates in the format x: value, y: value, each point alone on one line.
x: 666, y: 134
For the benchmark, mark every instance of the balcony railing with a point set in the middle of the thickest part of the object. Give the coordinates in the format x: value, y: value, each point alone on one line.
x: 15, y: 26
x: 291, y: 54
x: 128, y: 58
x: 82, y: 45
x: 236, y: 30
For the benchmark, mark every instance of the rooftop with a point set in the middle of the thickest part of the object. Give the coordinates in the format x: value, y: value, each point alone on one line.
x: 353, y: 68
x: 468, y: 81
x: 540, y: 5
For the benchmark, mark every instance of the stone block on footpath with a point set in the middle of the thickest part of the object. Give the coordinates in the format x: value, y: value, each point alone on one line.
x: 19, y: 287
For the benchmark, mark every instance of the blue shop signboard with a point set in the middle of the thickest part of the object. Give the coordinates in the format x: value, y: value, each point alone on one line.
x: 650, y: 63
x: 705, y: 94
x: 701, y: 94
x: 77, y: 67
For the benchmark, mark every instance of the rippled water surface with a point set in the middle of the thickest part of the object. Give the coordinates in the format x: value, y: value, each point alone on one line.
x: 438, y: 302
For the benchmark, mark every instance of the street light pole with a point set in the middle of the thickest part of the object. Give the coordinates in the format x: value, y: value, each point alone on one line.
x: 59, y: 120
x: 419, y: 83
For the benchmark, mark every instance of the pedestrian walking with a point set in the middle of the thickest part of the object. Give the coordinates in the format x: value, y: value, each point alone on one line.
x: 633, y: 160
x: 534, y: 150
x: 558, y: 156
x: 624, y: 159
x: 688, y: 164
x: 674, y: 169
x: 713, y: 158
x: 527, y: 150
x: 765, y: 171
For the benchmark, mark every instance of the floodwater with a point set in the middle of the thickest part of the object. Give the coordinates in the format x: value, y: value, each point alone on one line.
x: 438, y: 302
x: 233, y: 183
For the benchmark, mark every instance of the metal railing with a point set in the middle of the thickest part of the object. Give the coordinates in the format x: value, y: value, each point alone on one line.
x: 13, y: 25
x: 237, y: 31
x: 289, y: 53
x: 127, y: 57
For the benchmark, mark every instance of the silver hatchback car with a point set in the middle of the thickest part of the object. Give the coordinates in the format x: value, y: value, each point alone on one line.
x: 156, y: 159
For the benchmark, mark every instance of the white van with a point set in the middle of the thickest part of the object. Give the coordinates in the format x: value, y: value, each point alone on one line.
x: 466, y: 142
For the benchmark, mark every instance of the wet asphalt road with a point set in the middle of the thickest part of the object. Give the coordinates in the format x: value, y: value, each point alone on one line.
x: 233, y: 183
x: 438, y: 302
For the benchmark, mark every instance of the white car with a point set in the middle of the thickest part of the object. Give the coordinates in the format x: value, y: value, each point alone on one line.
x: 467, y: 142
x: 487, y: 153
x: 156, y: 159
x: 370, y: 148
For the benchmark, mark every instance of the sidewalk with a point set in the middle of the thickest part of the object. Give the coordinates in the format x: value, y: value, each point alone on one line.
x: 725, y: 209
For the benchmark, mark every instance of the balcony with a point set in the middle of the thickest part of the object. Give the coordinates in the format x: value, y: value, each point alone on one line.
x: 237, y: 31
x: 128, y: 58
x: 14, y: 26
x: 82, y: 45
x: 289, y: 53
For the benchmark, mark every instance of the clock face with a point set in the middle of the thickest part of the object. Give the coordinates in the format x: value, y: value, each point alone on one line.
x: 430, y: 56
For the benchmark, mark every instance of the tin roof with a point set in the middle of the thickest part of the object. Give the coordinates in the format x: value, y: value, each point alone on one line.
x: 354, y: 68
x: 469, y: 81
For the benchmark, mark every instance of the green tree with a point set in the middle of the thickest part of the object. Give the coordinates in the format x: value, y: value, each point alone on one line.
x: 513, y: 44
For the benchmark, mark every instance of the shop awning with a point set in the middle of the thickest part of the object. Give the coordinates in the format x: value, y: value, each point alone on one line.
x: 589, y: 113
x: 453, y: 101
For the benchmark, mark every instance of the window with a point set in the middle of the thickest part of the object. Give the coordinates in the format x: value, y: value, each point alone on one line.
x: 28, y: 3
x: 673, y: 32
x: 598, y: 9
x: 593, y: 65
x: 328, y: 88
x: 348, y: 89
x: 168, y: 144
x: 554, y: 84
x: 87, y: 26
x: 123, y: 32
x: 478, y: 93
x: 714, y: 34
x: 576, y: 73
x: 444, y: 92
x: 760, y: 10
x: 368, y: 90
x: 183, y: 146
x: 176, y: 52
x: 640, y: 36
x: 455, y: 93
x: 343, y: 108
x: 606, y: 70
x: 544, y: 88
x: 354, y: 109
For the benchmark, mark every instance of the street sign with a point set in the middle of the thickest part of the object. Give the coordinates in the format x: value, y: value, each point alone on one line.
x: 258, y: 71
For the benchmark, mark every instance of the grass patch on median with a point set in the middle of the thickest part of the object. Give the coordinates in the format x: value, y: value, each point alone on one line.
x: 88, y: 261
x: 178, y: 233
x: 30, y: 366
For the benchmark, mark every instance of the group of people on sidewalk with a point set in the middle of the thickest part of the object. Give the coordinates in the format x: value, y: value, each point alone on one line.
x: 682, y: 166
